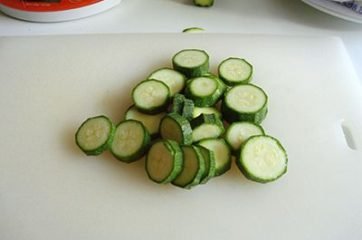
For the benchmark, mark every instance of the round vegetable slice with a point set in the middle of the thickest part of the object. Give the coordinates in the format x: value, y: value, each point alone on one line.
x: 234, y: 71
x: 263, y: 159
x: 238, y: 132
x: 245, y: 102
x: 164, y: 161
x: 131, y: 140
x: 173, y: 79
x: 151, y: 96
x: 191, y: 62
x: 95, y: 135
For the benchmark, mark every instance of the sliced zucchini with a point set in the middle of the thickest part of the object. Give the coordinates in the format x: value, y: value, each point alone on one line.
x: 131, y: 140
x: 173, y: 79
x: 150, y: 121
x: 188, y: 109
x: 238, y: 132
x: 205, y: 110
x: 178, y: 103
x: 221, y: 152
x: 204, y: 91
x: 191, y: 62
x: 95, y: 135
x: 245, y: 102
x: 193, y: 30
x: 164, y: 161
x: 151, y: 96
x: 206, y: 126
x: 209, y: 159
x: 193, y: 168
x: 175, y: 127
x: 183, y: 106
x: 263, y: 159
x: 235, y: 71
x: 204, y: 3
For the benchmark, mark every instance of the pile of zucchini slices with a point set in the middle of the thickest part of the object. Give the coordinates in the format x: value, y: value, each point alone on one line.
x: 188, y: 123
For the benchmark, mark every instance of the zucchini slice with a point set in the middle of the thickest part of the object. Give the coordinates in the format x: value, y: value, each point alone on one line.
x: 245, y: 102
x: 263, y: 159
x: 204, y: 3
x: 188, y: 109
x: 238, y: 132
x: 150, y: 121
x: 151, y: 96
x: 177, y: 103
x: 175, y: 127
x: 206, y: 126
x: 173, y: 79
x: 191, y: 62
x: 204, y: 91
x: 193, y: 168
x: 193, y: 30
x: 183, y: 106
x: 164, y: 161
x: 95, y: 135
x: 131, y: 140
x: 235, y: 71
x: 209, y: 159
x: 205, y: 110
x: 221, y: 152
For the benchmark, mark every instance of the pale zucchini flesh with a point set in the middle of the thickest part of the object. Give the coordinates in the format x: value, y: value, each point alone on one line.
x: 193, y: 168
x: 150, y: 121
x: 191, y: 62
x: 95, y: 135
x: 130, y: 142
x: 263, y: 159
x: 175, y: 127
x: 234, y: 71
x: 172, y: 78
x: 239, y: 132
x: 164, y: 161
x: 245, y: 102
x: 221, y: 152
x: 151, y: 96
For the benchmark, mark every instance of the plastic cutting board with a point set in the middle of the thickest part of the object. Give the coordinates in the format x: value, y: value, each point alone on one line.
x: 50, y: 190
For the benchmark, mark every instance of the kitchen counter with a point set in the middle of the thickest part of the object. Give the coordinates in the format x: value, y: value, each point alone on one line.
x: 276, y: 17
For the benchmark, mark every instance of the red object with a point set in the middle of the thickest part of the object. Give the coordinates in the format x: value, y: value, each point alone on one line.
x: 47, y: 5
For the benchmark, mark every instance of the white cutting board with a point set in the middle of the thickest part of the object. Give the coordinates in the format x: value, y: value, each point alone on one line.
x: 50, y: 190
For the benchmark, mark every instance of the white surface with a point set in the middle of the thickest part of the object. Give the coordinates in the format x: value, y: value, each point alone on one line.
x: 286, y: 17
x: 50, y: 190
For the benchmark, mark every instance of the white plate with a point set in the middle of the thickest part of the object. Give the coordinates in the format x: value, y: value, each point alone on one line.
x: 337, y: 10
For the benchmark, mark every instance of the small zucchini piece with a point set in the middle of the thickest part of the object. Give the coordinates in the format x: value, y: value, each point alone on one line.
x: 263, y: 159
x: 95, y: 135
x: 164, y: 161
x: 193, y: 168
x: 221, y: 152
x: 191, y: 62
x: 175, y: 127
x: 203, y: 3
x: 245, y: 102
x: 206, y: 126
x: 209, y: 159
x: 205, y: 110
x: 172, y: 78
x: 150, y: 121
x: 131, y: 140
x: 151, y: 96
x: 234, y: 71
x: 205, y: 91
x: 193, y: 30
x: 239, y: 132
